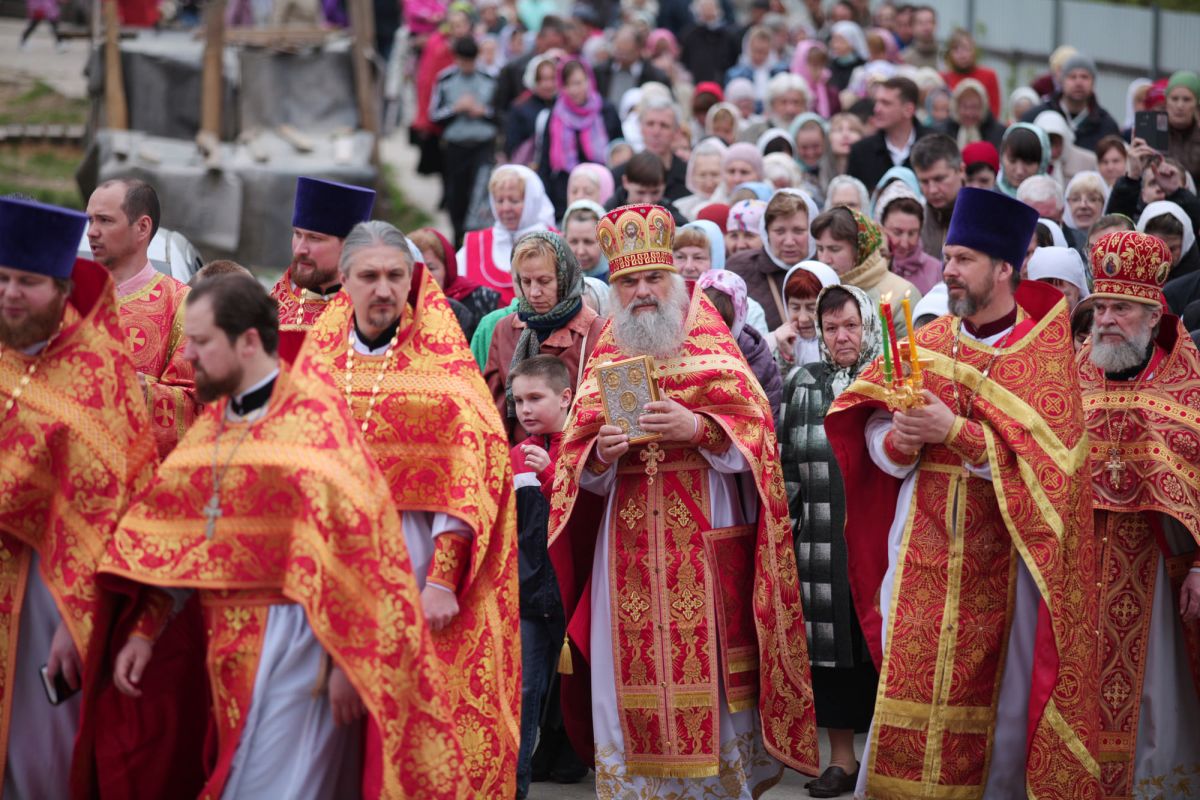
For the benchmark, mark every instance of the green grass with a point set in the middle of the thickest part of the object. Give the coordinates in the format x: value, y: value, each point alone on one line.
x: 44, y: 172
x: 396, y: 209
x: 40, y: 104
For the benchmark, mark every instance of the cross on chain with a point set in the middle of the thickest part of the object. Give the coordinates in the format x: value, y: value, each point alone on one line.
x: 652, y: 455
x: 212, y: 513
x: 1114, y: 466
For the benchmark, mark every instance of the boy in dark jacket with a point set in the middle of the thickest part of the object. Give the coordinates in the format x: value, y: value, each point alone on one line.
x: 541, y: 388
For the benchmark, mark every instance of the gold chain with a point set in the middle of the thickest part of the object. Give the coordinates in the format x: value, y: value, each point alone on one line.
x: 212, y: 511
x: 23, y: 384
x: 986, y: 371
x: 1115, y: 464
x: 383, y: 369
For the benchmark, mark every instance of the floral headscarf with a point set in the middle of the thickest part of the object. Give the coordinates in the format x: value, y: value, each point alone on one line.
x: 870, y: 237
x: 539, y: 326
x: 729, y: 283
x: 871, y: 346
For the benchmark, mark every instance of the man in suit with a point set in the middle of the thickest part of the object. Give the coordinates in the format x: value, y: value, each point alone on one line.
x: 894, y: 118
x: 627, y: 69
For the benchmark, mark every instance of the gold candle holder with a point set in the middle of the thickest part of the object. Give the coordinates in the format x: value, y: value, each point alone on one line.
x: 905, y: 392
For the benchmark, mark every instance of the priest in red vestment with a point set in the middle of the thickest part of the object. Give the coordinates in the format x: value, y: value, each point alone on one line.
x: 1140, y: 375
x: 274, y: 512
x: 75, y: 448
x: 979, y: 603
x: 685, y: 670
x: 412, y: 386
x: 323, y: 213
x: 123, y: 217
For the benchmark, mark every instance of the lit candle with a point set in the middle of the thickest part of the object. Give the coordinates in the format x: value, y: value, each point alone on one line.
x: 912, y: 338
x: 887, y: 356
x: 890, y: 332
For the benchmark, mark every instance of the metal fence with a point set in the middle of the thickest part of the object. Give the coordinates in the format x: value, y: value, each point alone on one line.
x: 1017, y: 36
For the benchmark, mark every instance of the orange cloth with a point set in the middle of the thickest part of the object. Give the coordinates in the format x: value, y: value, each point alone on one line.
x: 437, y: 438
x: 307, y: 520
x: 152, y: 317
x: 74, y: 449
x: 298, y: 308
x: 951, y: 602
x: 1158, y: 448
x: 737, y: 619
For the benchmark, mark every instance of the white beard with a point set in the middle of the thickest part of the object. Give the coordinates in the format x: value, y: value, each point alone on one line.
x: 1121, y: 356
x: 658, y: 333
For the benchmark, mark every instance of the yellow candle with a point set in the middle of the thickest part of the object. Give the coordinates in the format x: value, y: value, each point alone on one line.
x: 912, y: 340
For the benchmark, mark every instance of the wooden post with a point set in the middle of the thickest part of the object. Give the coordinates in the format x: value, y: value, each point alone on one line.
x: 115, y: 106
x: 362, y: 25
x: 211, y: 83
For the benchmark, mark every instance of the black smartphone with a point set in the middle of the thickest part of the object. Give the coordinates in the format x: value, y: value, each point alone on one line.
x: 57, y: 690
x: 1152, y: 127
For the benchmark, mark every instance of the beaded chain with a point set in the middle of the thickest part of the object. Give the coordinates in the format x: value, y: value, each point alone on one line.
x: 23, y: 384
x: 387, y: 361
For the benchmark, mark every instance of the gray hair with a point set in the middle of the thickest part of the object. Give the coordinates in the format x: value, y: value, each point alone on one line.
x: 373, y: 233
x: 787, y: 82
x: 653, y: 102
x: 1039, y: 189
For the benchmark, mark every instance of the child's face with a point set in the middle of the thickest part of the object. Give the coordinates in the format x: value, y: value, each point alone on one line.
x: 540, y: 409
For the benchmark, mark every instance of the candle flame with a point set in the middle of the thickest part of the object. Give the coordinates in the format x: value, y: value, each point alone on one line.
x: 907, y: 293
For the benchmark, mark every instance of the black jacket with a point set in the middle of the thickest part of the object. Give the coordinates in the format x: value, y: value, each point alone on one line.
x: 648, y: 73
x: 537, y: 584
x: 1126, y: 198
x: 1184, y: 290
x: 1095, y: 126
x: 708, y: 52
x: 869, y: 157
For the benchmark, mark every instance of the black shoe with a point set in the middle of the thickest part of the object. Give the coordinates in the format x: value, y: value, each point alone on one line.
x: 834, y: 782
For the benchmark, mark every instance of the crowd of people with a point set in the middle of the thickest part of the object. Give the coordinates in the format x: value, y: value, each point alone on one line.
x: 768, y: 387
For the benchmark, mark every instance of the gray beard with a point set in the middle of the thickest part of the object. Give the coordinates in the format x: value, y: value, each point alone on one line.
x: 658, y: 333
x: 967, y: 305
x: 1121, y: 356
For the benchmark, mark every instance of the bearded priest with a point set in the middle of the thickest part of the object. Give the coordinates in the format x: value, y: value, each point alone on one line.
x: 416, y: 396
x: 323, y: 213
x: 1140, y: 375
x: 273, y: 510
x: 685, y: 636
x: 986, y: 580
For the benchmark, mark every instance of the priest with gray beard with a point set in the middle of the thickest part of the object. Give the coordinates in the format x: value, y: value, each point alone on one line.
x: 1140, y: 376
x: 673, y: 679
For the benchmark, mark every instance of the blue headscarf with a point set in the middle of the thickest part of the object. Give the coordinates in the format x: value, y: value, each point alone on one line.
x: 716, y: 241
x: 897, y: 174
x: 761, y: 189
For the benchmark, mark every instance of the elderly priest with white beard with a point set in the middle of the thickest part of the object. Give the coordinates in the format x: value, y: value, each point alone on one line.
x: 685, y: 635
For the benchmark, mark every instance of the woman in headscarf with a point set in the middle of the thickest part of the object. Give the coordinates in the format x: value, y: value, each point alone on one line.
x: 1020, y: 101
x: 782, y: 171
x: 578, y: 130
x: 851, y: 243
x: 723, y: 121
x: 1135, y: 101
x: 520, y: 129
x: 1169, y: 222
x: 848, y: 191
x: 775, y: 140
x: 551, y: 319
x: 843, y: 675
x: 758, y: 62
x: 438, y: 256
x: 783, y: 230
x: 742, y: 163
x: 703, y: 177
x: 811, y: 62
x: 962, y: 64
x: 936, y: 111
x: 579, y: 230
x: 900, y: 214
x: 741, y: 226
x: 590, y: 182
x: 814, y: 155
x: 970, y: 118
x: 848, y: 48
x: 801, y: 285
x: 727, y: 291
x: 901, y: 174
x: 1024, y: 152
x: 787, y: 98
x: 740, y: 92
x: 752, y: 190
x: 1183, y: 121
x: 699, y: 248
x: 519, y: 206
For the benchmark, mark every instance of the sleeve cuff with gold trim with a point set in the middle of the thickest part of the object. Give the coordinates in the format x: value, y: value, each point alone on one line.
x: 154, y: 611
x: 451, y: 554
x: 895, y: 454
x: 710, y: 436
x: 967, y: 441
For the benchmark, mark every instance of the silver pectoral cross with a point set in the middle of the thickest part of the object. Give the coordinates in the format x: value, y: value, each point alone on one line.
x: 212, y: 513
x: 1114, y: 466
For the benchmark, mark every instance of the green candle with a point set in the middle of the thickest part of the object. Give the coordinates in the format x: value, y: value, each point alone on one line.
x: 887, y: 355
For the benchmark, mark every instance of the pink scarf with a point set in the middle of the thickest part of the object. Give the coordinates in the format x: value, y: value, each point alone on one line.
x: 572, y: 125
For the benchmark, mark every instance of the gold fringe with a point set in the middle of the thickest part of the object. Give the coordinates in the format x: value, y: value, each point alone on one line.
x: 565, y: 665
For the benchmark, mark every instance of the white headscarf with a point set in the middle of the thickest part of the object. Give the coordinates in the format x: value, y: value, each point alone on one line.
x: 1080, y: 177
x: 536, y: 215
x: 1063, y: 263
x: 842, y: 180
x: 936, y: 301
x: 1056, y: 232
x: 809, y: 350
x: 852, y: 33
x: 813, y: 211
x: 1161, y: 207
x: 1134, y: 85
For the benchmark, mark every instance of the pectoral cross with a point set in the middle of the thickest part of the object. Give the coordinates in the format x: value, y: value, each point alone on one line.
x: 652, y: 455
x: 212, y: 513
x: 1114, y: 466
